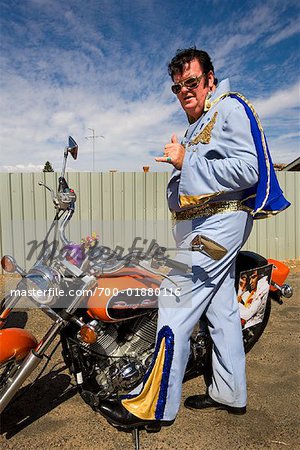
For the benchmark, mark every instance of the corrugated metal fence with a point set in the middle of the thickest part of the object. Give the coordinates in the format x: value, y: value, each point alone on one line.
x: 120, y: 207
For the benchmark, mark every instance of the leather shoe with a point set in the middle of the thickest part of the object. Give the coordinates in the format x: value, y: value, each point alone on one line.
x: 118, y: 416
x: 204, y: 401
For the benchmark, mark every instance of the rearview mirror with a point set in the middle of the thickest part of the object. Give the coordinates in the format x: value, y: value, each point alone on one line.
x: 73, y: 147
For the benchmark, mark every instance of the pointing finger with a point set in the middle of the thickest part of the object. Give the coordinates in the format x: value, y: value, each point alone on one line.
x: 165, y: 159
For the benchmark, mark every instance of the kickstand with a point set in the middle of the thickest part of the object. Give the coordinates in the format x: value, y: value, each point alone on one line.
x: 136, y: 438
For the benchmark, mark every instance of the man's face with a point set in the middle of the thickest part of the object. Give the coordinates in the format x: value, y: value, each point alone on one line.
x: 243, y: 282
x: 193, y: 100
x: 253, y: 280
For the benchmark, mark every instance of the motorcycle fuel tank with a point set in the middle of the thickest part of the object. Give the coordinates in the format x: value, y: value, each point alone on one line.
x: 123, y: 295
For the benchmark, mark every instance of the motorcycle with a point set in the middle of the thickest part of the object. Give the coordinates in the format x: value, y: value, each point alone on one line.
x: 104, y: 308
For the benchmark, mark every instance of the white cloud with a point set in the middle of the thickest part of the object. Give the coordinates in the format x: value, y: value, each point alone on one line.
x: 284, y: 151
x: 280, y: 117
x: 286, y: 136
x: 240, y: 32
x: 289, y: 30
x: 22, y: 168
x: 92, y: 72
x: 278, y: 101
x: 44, y: 114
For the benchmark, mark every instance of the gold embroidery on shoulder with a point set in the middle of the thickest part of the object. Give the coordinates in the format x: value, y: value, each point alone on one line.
x: 205, y: 135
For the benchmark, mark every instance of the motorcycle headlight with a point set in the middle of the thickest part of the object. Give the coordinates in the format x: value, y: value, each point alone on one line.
x: 42, y: 284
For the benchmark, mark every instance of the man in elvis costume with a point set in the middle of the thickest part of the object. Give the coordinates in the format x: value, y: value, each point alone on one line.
x: 223, y: 178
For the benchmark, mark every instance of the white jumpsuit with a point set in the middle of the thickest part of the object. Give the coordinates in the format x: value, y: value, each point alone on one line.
x: 220, y: 165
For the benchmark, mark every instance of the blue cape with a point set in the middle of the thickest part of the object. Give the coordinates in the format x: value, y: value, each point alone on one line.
x: 266, y: 198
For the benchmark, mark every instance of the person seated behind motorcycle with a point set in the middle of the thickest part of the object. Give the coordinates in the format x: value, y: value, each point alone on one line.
x: 243, y: 293
x: 259, y: 287
x: 253, y: 308
x: 215, y: 167
x: 247, y: 288
x: 253, y: 286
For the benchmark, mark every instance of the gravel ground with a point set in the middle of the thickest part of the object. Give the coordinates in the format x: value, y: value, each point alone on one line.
x: 52, y: 415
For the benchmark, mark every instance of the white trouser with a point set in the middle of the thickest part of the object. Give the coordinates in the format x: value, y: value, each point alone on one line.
x: 209, y: 289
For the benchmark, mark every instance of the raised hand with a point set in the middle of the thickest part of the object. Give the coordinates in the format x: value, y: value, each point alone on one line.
x: 173, y: 153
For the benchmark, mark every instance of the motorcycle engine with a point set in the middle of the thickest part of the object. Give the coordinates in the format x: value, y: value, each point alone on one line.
x: 119, y: 358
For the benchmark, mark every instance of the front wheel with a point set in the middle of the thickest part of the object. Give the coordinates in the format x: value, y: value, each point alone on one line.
x: 7, y: 371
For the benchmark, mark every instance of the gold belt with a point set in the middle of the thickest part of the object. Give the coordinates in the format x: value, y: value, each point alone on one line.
x: 208, y: 210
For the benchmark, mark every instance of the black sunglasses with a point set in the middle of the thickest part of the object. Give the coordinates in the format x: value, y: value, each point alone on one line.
x: 190, y: 83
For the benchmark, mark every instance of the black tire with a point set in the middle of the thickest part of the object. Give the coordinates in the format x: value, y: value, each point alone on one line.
x: 245, y: 261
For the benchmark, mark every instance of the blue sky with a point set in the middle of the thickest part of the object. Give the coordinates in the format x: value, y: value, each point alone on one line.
x: 102, y: 64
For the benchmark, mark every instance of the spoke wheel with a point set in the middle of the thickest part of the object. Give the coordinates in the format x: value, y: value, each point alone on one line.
x: 7, y: 370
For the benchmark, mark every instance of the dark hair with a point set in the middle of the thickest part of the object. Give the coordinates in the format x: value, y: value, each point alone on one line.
x: 183, y: 57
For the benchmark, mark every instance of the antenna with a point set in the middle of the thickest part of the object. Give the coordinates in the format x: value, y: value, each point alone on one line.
x: 93, y: 137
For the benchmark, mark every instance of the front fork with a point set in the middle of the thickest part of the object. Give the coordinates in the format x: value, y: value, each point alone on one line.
x: 30, y: 363
x: 35, y: 356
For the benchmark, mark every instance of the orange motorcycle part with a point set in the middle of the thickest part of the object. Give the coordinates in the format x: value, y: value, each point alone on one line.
x: 126, y: 294
x: 15, y: 343
x: 3, y: 316
x: 279, y: 273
